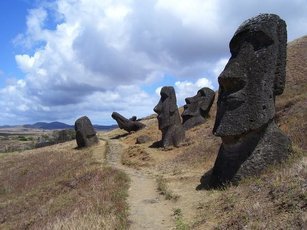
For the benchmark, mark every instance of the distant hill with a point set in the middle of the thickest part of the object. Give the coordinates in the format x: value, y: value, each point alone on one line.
x: 58, y: 125
x: 49, y: 126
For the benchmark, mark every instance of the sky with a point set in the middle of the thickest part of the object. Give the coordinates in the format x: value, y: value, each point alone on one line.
x: 63, y: 59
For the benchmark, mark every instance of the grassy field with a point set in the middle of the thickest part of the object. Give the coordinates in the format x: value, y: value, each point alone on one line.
x: 61, y: 187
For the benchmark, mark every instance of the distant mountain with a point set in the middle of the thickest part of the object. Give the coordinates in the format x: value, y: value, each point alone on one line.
x: 57, y: 125
x: 49, y: 126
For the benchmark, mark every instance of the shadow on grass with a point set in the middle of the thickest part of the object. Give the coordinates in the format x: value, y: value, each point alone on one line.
x: 120, y: 136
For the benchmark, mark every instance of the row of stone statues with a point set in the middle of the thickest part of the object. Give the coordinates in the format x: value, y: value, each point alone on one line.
x: 253, y: 77
x: 195, y: 112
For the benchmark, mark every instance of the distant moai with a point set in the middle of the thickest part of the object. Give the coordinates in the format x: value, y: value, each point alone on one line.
x: 169, y: 119
x: 127, y: 124
x: 253, y: 76
x: 85, y: 133
x: 197, y: 108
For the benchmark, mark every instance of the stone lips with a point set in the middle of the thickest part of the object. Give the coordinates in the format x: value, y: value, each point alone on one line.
x: 85, y: 133
x: 169, y: 119
x: 127, y: 124
x: 197, y: 108
x: 252, y: 78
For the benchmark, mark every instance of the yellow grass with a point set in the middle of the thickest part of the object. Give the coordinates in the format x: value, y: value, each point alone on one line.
x: 60, y: 187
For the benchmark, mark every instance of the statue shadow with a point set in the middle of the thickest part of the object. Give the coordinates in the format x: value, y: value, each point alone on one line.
x: 207, y: 183
x: 156, y: 144
x: 120, y: 136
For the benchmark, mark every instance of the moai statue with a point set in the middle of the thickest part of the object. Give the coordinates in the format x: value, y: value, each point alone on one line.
x: 168, y: 118
x: 127, y: 124
x: 253, y: 76
x: 197, y: 108
x: 85, y: 133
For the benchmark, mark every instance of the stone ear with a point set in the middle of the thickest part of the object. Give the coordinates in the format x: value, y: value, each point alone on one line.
x: 203, y: 106
x: 280, y: 73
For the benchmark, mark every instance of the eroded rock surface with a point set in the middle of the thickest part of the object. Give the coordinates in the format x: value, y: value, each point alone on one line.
x: 169, y: 119
x: 85, y: 133
x: 197, y: 108
x: 127, y: 124
x: 253, y: 76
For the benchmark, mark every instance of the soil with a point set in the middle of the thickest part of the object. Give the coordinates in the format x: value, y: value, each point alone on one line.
x: 148, y: 209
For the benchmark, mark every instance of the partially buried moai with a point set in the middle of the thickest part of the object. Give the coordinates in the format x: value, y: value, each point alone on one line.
x: 85, y: 133
x: 252, y: 78
x: 127, y: 124
x: 169, y: 119
x: 197, y: 108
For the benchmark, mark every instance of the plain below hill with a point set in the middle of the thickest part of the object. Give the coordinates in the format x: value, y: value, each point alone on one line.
x: 55, y: 125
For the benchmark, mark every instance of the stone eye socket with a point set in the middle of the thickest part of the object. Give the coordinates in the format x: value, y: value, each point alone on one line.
x: 258, y: 39
x: 163, y: 96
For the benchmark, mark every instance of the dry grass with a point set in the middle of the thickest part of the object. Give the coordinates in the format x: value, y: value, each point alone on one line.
x: 291, y: 106
x: 61, y: 187
x: 276, y: 200
x: 136, y: 157
x: 164, y: 190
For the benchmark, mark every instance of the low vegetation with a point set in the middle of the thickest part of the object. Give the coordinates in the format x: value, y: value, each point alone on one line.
x: 275, y: 200
x: 164, y: 190
x: 21, y: 141
x: 60, y: 187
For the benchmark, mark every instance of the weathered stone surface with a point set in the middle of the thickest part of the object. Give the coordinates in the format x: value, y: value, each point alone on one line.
x: 142, y: 139
x: 85, y: 133
x: 197, y: 108
x: 127, y: 124
x: 168, y: 118
x: 252, y: 78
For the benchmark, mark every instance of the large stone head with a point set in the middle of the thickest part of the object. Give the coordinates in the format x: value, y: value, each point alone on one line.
x: 198, y: 106
x: 85, y: 133
x: 167, y: 109
x: 253, y: 76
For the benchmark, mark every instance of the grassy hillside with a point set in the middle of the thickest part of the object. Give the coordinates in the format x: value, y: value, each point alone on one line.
x: 277, y: 199
x: 61, y: 187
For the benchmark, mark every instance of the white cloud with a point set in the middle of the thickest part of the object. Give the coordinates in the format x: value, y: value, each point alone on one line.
x: 184, y: 89
x: 97, y: 54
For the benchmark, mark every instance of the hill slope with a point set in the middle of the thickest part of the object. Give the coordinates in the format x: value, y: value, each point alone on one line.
x: 57, y: 186
x: 277, y: 198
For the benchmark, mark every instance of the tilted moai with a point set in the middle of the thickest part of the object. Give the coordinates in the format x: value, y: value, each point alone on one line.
x: 169, y: 119
x: 252, y: 78
x: 197, y: 108
x: 127, y: 124
x: 85, y: 133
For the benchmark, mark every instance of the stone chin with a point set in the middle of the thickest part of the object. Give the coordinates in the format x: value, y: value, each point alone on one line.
x: 244, y: 121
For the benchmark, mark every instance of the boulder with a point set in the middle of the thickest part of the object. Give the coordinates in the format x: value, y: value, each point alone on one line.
x: 85, y: 133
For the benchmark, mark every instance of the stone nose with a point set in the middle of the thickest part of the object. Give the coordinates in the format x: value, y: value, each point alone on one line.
x: 188, y: 100
x: 230, y: 82
x: 157, y: 108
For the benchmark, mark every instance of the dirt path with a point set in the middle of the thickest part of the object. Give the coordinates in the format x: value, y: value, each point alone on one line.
x: 148, y: 209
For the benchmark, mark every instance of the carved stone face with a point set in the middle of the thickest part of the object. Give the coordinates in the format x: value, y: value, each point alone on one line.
x: 199, y: 105
x: 254, y: 74
x: 167, y: 109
